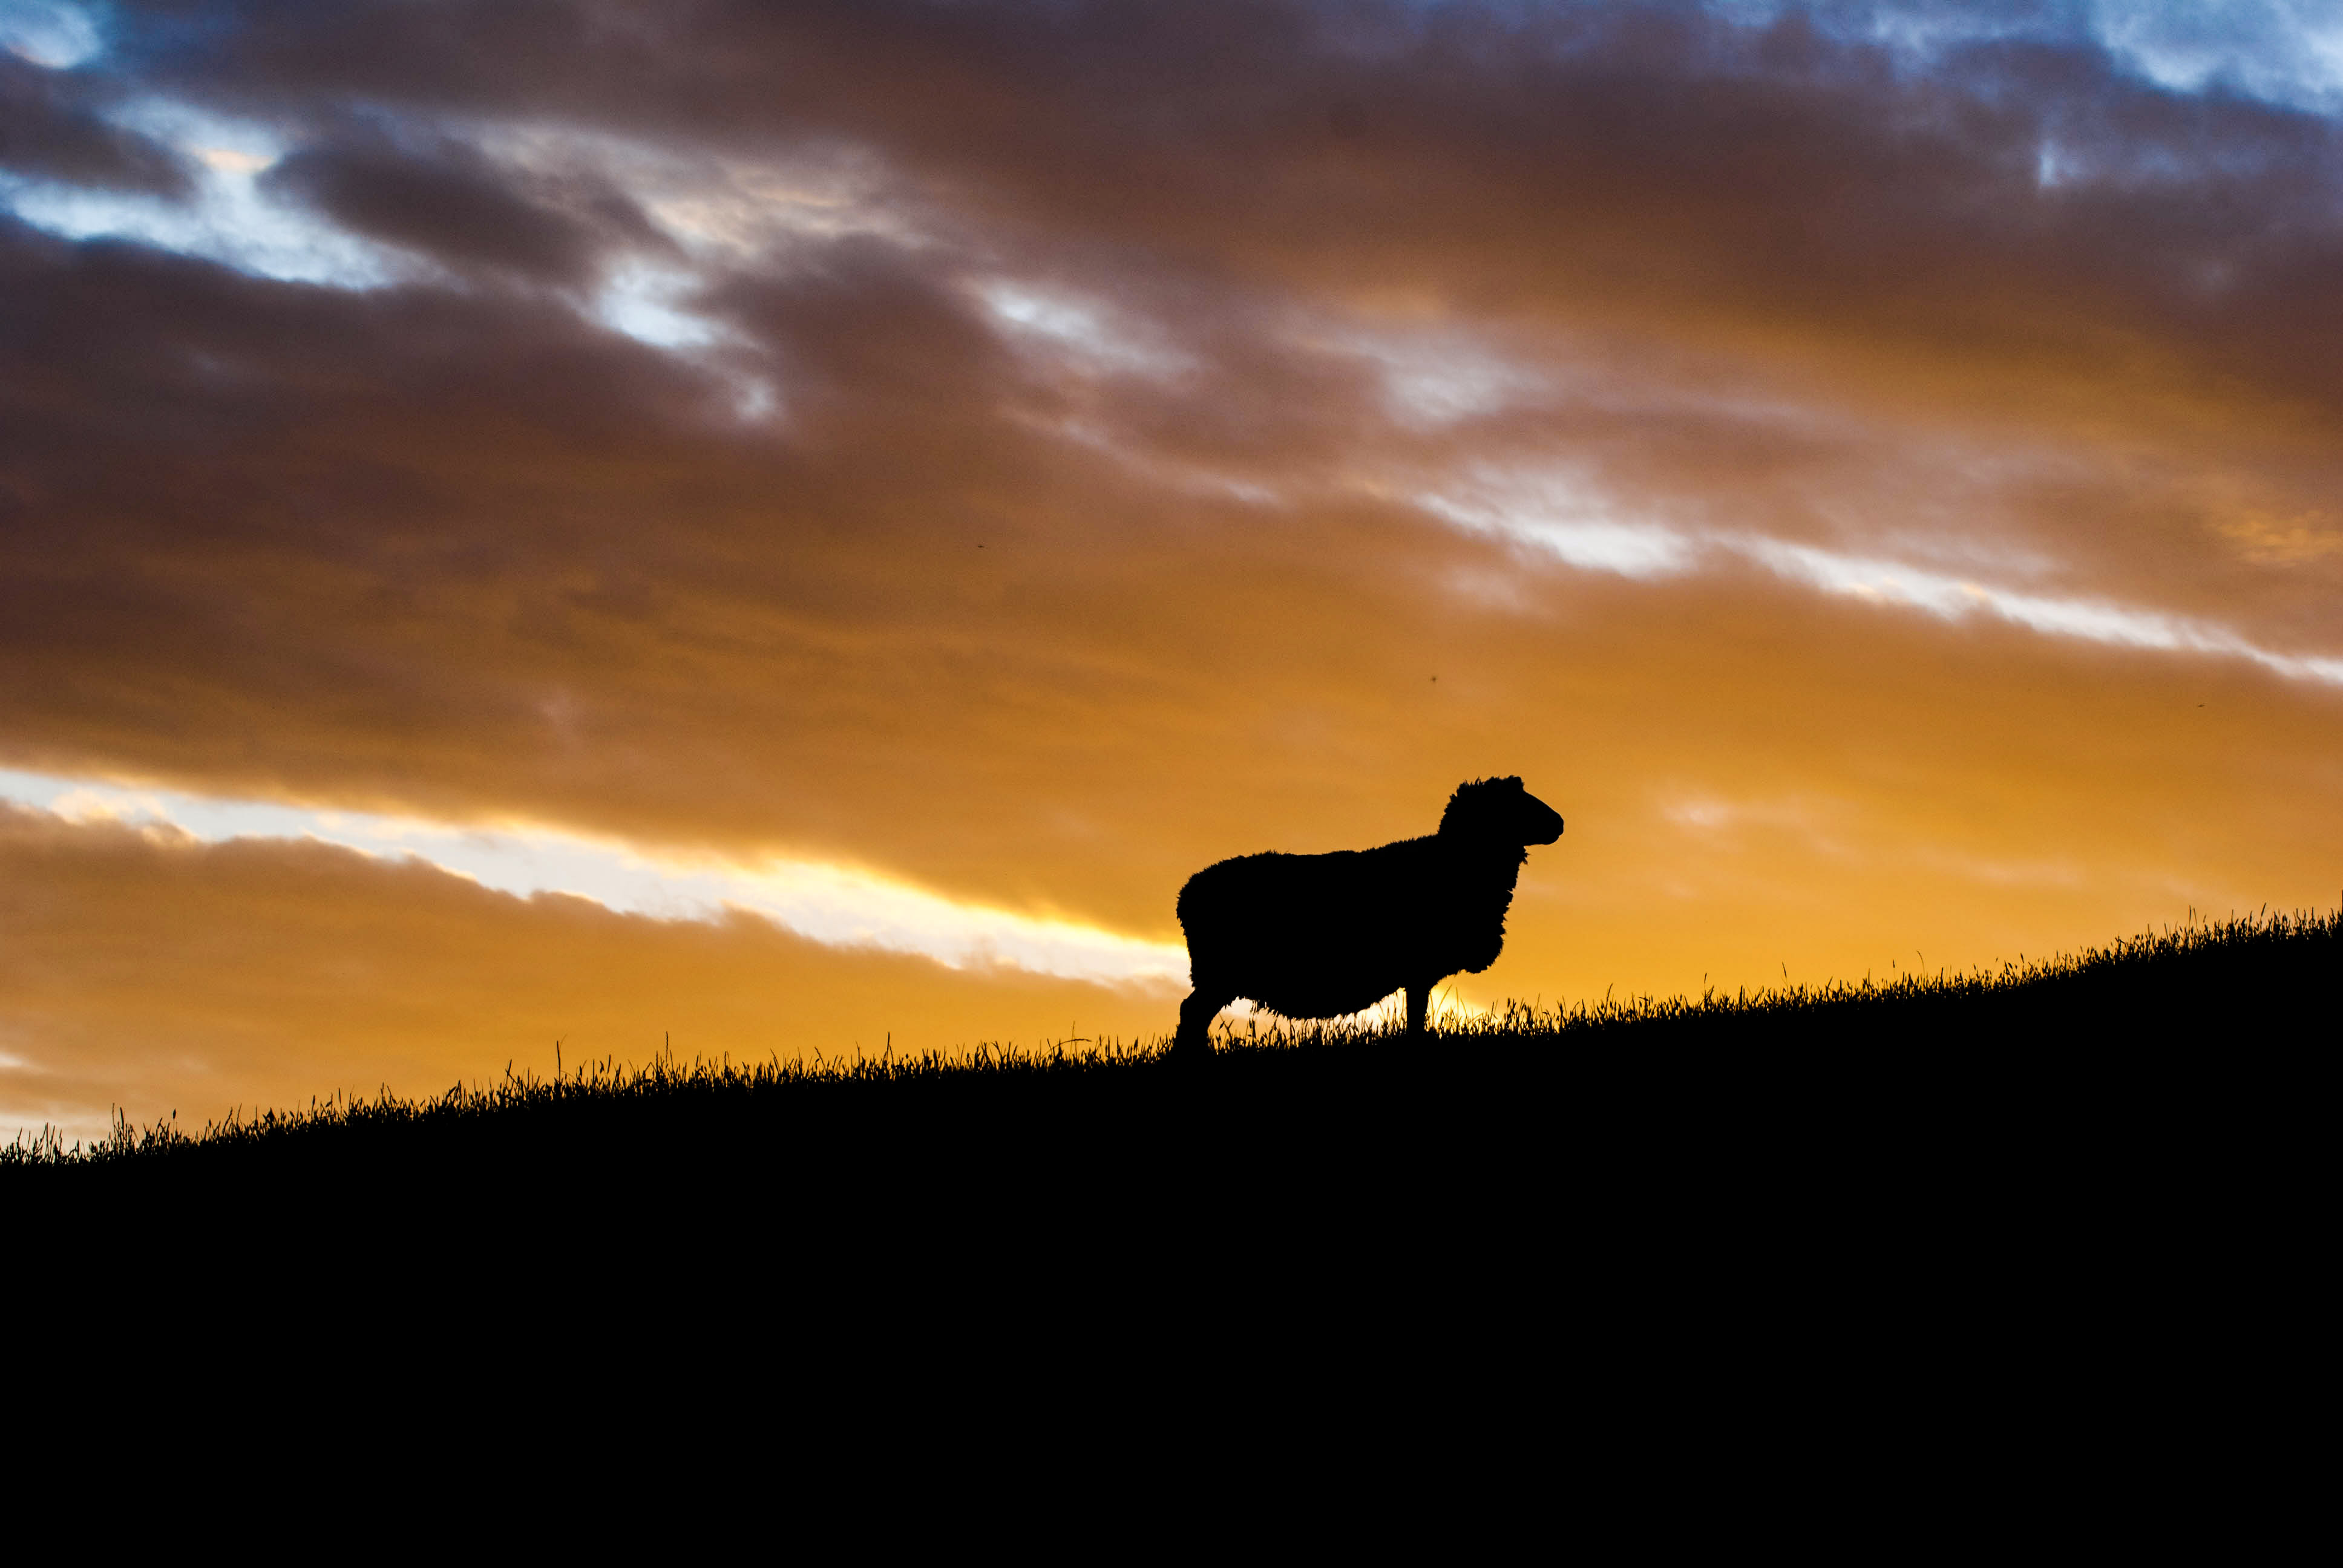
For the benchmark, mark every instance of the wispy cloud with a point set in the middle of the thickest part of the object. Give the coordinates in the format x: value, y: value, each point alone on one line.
x: 1564, y: 519
x: 1569, y: 519
x: 228, y: 216
x: 1948, y: 598
x: 835, y: 905
x: 51, y: 34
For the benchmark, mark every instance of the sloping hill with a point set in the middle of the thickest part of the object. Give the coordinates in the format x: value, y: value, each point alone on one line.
x: 2198, y: 1017
x: 1955, y: 1193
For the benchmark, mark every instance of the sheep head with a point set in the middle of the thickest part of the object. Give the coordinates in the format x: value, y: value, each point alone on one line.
x: 1499, y: 810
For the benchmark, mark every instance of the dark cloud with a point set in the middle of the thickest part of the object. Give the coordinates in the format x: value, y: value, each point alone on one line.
x: 1999, y: 212
x: 50, y: 129
x: 449, y: 202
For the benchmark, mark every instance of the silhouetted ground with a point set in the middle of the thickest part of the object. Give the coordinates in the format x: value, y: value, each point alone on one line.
x: 1940, y: 1240
x: 1633, y: 1237
x: 2191, y: 1038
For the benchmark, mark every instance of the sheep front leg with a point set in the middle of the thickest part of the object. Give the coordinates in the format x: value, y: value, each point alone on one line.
x: 1419, y: 1001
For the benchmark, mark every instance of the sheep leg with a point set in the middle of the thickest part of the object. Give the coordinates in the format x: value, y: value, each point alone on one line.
x: 1196, y: 1015
x: 1419, y: 999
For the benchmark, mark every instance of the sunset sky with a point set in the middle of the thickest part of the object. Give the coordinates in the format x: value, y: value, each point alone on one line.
x: 793, y: 526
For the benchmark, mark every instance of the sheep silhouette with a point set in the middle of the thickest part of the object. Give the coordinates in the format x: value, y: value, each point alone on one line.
x: 1318, y: 935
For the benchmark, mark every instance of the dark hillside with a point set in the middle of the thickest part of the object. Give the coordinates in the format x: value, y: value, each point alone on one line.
x: 2091, y: 1181
x: 2220, y: 1027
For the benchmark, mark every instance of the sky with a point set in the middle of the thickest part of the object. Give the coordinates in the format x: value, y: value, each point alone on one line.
x: 766, y: 529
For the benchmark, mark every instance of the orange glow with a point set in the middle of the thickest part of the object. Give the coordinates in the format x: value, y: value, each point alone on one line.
x: 1881, y: 493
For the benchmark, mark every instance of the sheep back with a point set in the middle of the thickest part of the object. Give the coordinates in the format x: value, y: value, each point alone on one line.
x: 1318, y: 935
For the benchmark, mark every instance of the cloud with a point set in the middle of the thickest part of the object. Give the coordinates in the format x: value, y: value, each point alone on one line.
x: 252, y: 954
x: 1550, y: 512
x: 2122, y: 625
x: 839, y: 905
x: 448, y: 201
x: 48, y: 33
x: 51, y: 128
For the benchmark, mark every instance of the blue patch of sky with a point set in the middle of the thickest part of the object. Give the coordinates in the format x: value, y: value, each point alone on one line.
x: 48, y: 33
x: 2283, y: 52
x: 2286, y: 52
x: 231, y: 219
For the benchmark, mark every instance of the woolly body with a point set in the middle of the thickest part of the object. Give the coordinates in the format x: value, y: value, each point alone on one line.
x: 1318, y: 935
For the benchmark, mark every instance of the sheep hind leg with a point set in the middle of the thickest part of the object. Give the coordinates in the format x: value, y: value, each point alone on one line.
x: 1194, y: 1041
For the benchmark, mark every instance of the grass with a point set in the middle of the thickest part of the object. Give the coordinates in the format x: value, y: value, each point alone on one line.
x: 2199, y: 1001
x: 2056, y: 1159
